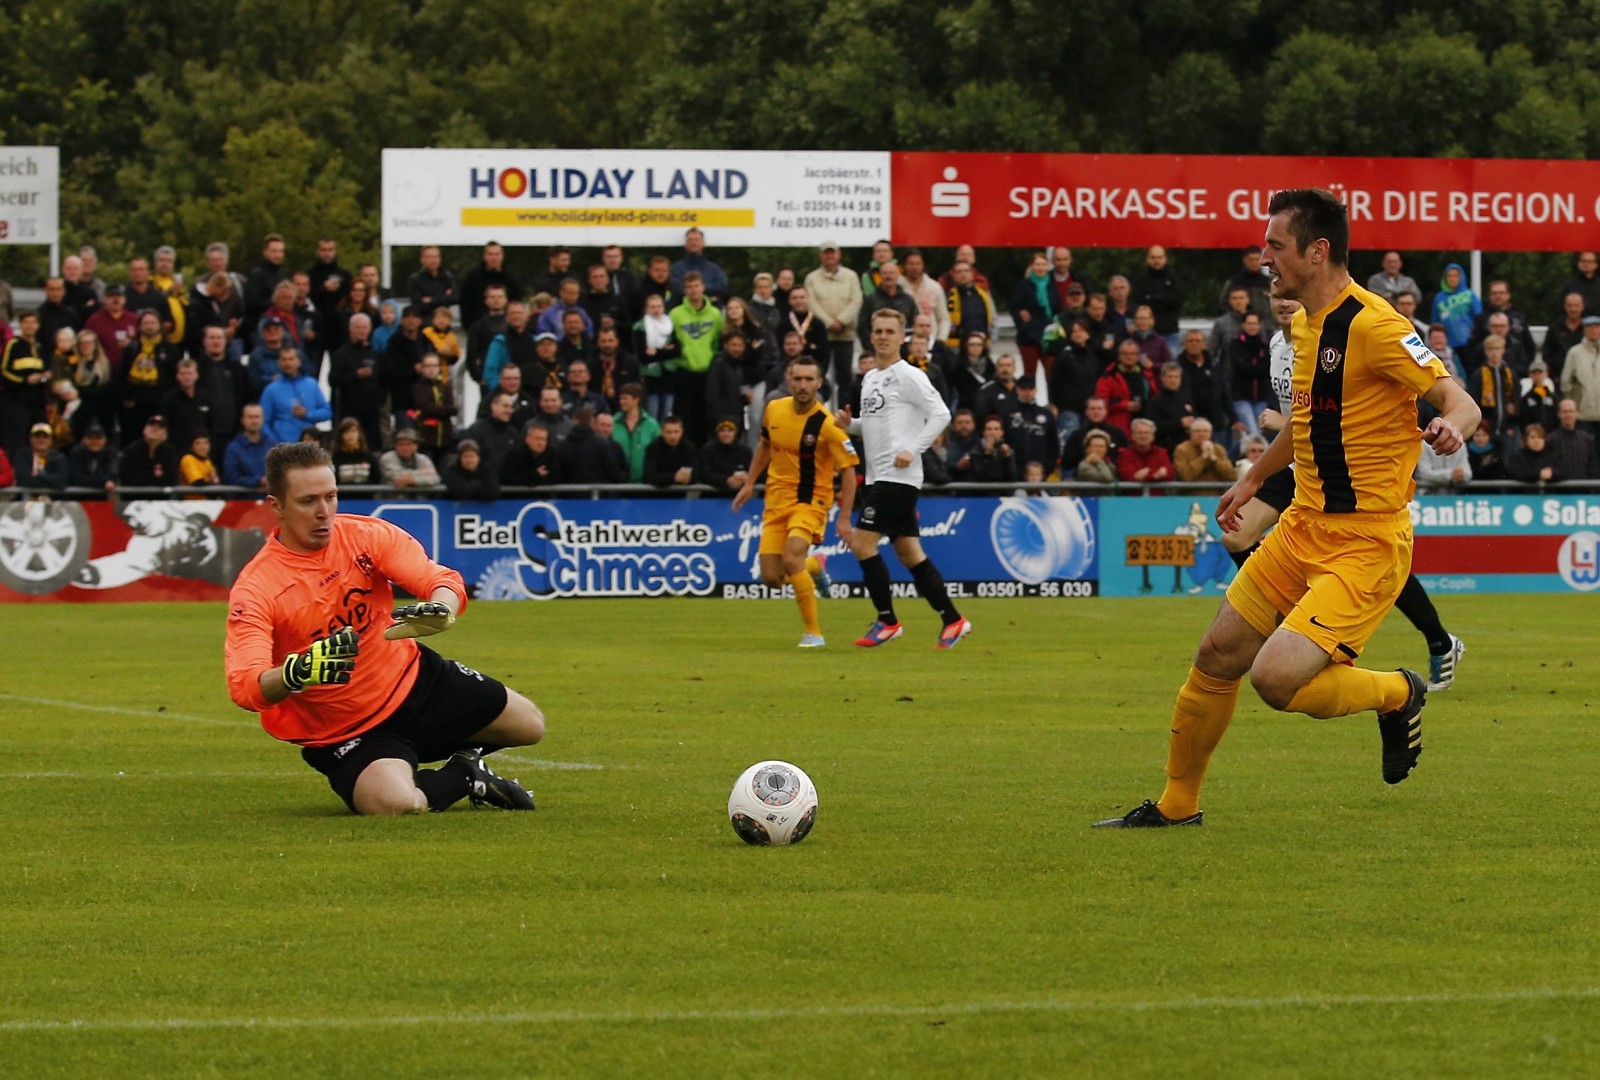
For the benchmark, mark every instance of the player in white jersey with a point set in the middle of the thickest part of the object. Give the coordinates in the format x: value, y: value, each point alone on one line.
x: 901, y: 416
x: 1261, y: 513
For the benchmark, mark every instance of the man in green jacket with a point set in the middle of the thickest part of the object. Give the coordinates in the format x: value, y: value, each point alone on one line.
x: 697, y: 324
x: 635, y: 430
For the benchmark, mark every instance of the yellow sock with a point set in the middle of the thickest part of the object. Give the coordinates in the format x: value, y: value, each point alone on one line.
x: 1339, y: 690
x: 805, y: 594
x: 813, y: 564
x: 1202, y: 713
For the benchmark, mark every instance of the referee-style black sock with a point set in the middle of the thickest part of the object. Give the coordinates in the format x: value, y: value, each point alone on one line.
x: 445, y: 786
x: 1239, y: 557
x: 1415, y: 605
x: 930, y: 583
x: 875, y: 573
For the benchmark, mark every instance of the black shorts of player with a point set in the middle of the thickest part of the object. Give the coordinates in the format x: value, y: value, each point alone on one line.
x: 1277, y: 491
x: 448, y: 704
x: 888, y: 509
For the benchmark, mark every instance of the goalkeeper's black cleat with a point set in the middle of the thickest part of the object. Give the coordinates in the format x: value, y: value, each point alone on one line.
x: 488, y: 790
x: 1402, y: 732
x: 1148, y: 815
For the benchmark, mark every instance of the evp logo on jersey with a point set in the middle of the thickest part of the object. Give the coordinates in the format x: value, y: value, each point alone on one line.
x: 874, y: 403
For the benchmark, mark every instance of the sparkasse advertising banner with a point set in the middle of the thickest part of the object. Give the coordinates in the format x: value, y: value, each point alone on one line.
x: 539, y: 197
x: 1196, y: 201
x: 30, y: 194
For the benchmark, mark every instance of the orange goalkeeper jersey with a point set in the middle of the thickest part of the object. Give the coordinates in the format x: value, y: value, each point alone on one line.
x: 284, y: 600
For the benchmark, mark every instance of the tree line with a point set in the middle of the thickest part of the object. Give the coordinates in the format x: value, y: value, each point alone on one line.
x: 189, y: 121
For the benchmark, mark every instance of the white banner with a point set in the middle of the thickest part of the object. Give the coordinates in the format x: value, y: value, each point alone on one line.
x: 593, y: 197
x: 30, y: 194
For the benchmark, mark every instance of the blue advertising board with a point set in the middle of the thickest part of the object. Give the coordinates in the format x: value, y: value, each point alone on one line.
x: 543, y: 550
x: 1464, y: 544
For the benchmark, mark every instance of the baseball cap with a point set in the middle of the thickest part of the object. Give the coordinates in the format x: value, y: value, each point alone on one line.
x: 1591, y: 320
x: 271, y: 321
x: 1026, y: 383
x: 545, y: 335
x: 156, y: 418
x: 728, y: 425
x: 407, y: 433
x: 1539, y: 365
x: 40, y: 429
x: 94, y: 431
x: 467, y: 444
x: 1075, y: 287
x: 116, y: 290
x: 828, y: 245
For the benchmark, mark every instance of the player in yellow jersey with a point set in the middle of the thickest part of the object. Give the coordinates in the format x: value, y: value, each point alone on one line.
x: 1304, y: 605
x: 801, y: 449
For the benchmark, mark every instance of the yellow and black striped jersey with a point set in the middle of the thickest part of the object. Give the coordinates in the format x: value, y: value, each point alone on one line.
x: 807, y: 449
x: 1359, y: 367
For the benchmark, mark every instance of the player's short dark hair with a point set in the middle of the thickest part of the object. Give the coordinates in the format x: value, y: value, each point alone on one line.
x: 1315, y: 214
x: 803, y: 360
x: 672, y: 418
x: 287, y: 457
x: 632, y: 389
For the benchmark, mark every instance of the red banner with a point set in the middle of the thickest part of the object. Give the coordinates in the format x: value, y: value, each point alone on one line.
x: 1188, y: 201
x: 156, y: 549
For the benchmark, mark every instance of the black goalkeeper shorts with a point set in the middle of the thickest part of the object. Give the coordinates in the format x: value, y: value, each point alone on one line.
x: 448, y: 704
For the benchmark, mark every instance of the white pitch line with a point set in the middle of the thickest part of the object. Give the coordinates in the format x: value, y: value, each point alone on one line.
x: 884, y: 1011
x: 118, y: 710
x: 545, y: 763
x: 234, y: 774
x: 155, y: 774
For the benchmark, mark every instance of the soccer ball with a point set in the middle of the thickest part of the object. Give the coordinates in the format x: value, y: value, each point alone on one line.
x: 774, y: 802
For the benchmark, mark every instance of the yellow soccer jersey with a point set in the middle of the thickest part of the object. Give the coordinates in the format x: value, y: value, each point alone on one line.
x: 1359, y: 368
x: 807, y: 450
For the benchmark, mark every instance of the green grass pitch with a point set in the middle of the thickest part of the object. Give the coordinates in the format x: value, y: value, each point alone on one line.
x: 182, y: 897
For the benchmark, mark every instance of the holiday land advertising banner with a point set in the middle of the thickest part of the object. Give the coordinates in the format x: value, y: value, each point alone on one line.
x: 594, y: 197
x: 192, y: 549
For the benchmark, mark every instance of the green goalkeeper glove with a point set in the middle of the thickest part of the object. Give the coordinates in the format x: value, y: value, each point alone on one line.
x: 419, y: 620
x: 329, y: 661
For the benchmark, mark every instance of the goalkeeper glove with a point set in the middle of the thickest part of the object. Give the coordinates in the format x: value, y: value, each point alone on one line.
x: 419, y: 620
x: 329, y: 661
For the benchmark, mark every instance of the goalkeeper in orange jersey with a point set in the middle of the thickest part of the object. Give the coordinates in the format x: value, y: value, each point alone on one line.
x: 317, y: 648
x: 801, y: 449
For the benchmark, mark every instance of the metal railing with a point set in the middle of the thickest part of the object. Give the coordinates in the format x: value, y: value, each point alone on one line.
x: 704, y: 491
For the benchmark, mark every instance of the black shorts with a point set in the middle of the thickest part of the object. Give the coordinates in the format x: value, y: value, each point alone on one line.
x: 448, y: 704
x: 1277, y: 491
x: 888, y: 509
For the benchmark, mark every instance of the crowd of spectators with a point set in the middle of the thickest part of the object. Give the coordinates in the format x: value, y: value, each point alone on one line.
x: 658, y: 373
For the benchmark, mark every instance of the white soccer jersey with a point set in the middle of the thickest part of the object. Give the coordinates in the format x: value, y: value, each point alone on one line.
x: 900, y: 410
x: 1281, y: 353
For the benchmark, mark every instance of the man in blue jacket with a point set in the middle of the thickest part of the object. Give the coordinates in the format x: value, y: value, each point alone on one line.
x: 244, y: 463
x: 292, y: 402
x: 1456, y: 307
